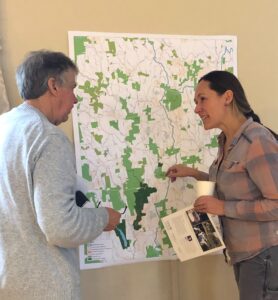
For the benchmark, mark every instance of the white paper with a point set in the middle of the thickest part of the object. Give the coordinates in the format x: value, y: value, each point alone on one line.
x: 192, y: 234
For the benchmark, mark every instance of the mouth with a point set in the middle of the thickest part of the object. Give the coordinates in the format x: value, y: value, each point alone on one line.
x: 203, y: 118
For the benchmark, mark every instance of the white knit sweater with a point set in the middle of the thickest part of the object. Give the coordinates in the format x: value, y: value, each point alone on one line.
x: 40, y: 224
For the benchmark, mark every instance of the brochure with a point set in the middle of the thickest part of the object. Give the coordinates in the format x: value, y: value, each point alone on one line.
x: 192, y: 234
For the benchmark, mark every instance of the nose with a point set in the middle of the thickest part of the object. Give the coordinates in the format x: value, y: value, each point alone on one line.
x: 75, y: 100
x: 197, y: 108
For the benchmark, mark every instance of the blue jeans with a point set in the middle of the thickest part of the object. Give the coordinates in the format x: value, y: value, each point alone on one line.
x: 257, y: 277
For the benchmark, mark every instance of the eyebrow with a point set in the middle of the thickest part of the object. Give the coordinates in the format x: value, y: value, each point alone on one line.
x: 198, y: 96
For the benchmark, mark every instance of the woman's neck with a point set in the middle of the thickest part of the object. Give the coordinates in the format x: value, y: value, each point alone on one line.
x: 232, y: 126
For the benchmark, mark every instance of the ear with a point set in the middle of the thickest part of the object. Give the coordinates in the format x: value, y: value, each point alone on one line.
x: 228, y: 96
x: 52, y: 85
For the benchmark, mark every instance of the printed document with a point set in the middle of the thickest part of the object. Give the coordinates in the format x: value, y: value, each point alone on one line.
x: 192, y: 234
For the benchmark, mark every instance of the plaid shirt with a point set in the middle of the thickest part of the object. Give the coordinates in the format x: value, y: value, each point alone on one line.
x: 247, y: 180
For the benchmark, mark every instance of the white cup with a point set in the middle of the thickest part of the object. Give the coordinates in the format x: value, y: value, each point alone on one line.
x: 204, y: 188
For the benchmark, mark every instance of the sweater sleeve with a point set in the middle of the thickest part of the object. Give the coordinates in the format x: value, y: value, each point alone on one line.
x: 262, y: 167
x: 63, y: 223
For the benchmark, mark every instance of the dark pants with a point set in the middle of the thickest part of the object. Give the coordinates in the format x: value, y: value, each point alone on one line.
x: 257, y: 278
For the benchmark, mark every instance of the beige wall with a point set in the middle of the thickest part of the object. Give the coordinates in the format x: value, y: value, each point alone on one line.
x: 30, y: 25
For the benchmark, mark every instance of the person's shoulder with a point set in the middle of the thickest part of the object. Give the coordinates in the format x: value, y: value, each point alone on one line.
x: 38, y: 124
x: 256, y: 131
x: 33, y: 126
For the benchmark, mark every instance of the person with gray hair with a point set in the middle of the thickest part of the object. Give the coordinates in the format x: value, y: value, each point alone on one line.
x: 41, y: 225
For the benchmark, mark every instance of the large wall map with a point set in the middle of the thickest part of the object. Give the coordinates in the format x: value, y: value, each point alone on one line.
x: 135, y: 118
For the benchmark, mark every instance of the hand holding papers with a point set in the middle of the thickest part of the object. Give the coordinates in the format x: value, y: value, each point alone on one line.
x: 193, y: 234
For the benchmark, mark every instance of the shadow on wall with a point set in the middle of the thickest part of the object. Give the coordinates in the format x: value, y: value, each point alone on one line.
x: 4, y: 104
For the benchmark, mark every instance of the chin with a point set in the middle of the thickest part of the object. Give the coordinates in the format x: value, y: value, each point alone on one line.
x: 207, y: 126
x: 65, y: 119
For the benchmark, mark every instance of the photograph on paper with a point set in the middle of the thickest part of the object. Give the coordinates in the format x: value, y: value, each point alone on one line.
x: 192, y: 234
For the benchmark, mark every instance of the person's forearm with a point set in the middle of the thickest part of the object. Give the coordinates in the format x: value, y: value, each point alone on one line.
x: 199, y: 175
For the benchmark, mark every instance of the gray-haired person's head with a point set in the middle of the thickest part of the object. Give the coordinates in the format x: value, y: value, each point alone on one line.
x: 33, y: 73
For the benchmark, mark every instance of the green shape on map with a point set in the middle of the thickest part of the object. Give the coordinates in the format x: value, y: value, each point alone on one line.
x: 92, y: 197
x: 79, y: 99
x: 97, y: 137
x: 112, y: 47
x: 95, y: 92
x: 90, y: 260
x: 172, y: 151
x: 213, y: 142
x: 161, y: 207
x: 141, y: 198
x: 230, y: 69
x: 166, y: 240
x: 153, y: 251
x: 126, y: 39
x: 134, y: 126
x: 172, y: 99
x: 192, y: 74
x: 121, y: 234
x: 86, y: 172
x: 158, y: 173
x: 189, y: 186
x: 94, y: 124
x: 191, y: 160
x: 98, y: 152
x: 136, y: 86
x: 124, y: 103
x: 148, y: 111
x: 113, y: 194
x: 143, y: 74
x: 79, y: 45
x: 153, y: 147
x: 80, y: 133
x: 122, y: 75
x: 114, y: 124
x: 174, y: 52
x: 134, y: 177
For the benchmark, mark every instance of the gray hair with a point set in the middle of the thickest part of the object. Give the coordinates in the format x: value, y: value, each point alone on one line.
x: 33, y: 73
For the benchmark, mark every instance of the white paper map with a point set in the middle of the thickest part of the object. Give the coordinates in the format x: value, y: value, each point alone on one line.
x: 134, y: 119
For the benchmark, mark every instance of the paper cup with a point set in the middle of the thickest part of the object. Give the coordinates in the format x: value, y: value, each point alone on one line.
x: 204, y: 188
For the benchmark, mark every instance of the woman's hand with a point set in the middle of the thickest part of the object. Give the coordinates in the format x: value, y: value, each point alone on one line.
x: 209, y: 204
x: 179, y: 171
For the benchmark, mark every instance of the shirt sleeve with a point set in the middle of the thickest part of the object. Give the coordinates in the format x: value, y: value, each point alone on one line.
x: 262, y: 168
x: 63, y: 223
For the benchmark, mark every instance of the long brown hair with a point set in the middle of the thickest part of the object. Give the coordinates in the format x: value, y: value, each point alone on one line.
x: 221, y: 81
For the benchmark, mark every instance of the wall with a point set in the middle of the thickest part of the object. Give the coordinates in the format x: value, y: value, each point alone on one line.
x: 30, y: 25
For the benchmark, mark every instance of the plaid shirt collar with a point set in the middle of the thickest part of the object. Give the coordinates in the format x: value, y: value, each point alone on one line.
x: 221, y: 137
